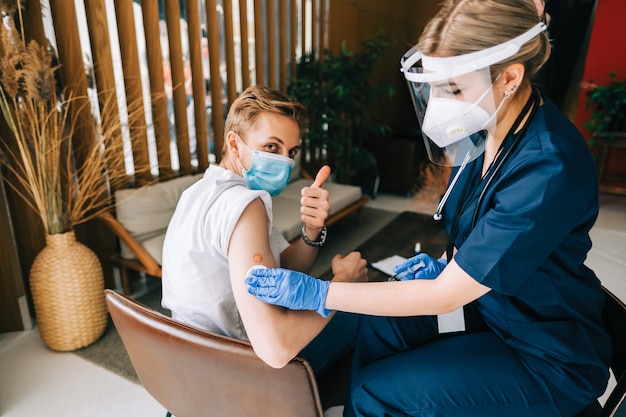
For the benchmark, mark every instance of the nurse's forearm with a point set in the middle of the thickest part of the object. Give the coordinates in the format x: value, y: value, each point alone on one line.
x: 399, y: 298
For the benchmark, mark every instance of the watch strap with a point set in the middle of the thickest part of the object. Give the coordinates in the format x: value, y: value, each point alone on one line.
x: 315, y: 243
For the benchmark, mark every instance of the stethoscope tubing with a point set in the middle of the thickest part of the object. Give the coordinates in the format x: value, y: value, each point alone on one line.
x: 516, y: 140
x: 532, y: 105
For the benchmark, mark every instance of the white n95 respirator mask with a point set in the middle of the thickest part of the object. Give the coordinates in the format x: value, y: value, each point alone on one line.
x: 448, y: 121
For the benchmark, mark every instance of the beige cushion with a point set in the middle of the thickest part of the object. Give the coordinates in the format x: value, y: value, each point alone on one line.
x: 154, y: 247
x: 286, y: 217
x: 145, y: 212
x: 341, y: 195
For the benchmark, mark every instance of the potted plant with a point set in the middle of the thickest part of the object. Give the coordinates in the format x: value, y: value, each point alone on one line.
x: 337, y: 89
x: 608, y: 107
x: 608, y: 131
x: 66, y: 278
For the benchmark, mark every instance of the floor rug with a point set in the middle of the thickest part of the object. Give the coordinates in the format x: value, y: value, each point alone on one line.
x: 343, y: 236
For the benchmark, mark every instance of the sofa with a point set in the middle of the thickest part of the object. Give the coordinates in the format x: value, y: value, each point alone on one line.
x: 141, y: 215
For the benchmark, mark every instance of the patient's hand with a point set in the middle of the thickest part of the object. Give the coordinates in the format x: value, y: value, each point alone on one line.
x: 314, y: 203
x: 349, y: 268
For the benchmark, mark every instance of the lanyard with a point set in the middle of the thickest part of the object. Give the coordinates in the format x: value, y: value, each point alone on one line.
x: 503, y: 155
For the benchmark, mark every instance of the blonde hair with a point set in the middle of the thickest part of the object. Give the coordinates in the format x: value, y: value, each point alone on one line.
x: 245, y: 110
x: 464, y: 26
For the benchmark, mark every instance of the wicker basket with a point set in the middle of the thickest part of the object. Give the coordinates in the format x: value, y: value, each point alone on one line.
x: 67, y: 286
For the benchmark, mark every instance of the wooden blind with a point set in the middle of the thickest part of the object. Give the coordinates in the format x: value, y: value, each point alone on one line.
x: 182, y: 63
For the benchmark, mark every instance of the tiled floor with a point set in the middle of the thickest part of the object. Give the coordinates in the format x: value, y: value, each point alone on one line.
x: 36, y: 382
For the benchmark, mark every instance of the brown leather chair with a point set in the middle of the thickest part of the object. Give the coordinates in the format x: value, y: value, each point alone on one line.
x: 615, y: 321
x: 614, y: 315
x: 197, y: 373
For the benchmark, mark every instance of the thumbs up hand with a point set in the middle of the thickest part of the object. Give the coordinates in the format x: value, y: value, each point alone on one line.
x: 321, y: 177
x: 314, y: 202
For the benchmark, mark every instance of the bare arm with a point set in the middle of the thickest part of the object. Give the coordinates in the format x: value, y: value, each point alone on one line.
x: 451, y: 290
x: 277, y: 334
x: 299, y: 256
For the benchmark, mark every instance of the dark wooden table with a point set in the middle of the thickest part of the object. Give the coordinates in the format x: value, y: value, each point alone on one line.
x: 398, y: 237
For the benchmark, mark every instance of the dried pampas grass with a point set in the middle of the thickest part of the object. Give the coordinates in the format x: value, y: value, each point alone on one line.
x: 42, y: 121
x: 435, y: 177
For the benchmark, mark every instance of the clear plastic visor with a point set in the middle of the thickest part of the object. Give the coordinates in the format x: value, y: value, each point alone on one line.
x: 455, y: 115
x: 454, y: 100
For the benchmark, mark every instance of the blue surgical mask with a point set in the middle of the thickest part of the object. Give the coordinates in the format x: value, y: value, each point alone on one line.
x: 268, y: 171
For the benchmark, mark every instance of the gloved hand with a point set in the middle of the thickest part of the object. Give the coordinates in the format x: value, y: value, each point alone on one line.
x: 420, y: 266
x: 287, y: 288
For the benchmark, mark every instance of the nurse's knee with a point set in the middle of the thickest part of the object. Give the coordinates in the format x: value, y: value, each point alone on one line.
x: 362, y: 401
x: 370, y: 395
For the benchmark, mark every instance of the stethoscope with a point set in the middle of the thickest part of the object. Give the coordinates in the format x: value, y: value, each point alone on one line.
x: 438, y: 216
x: 504, y: 153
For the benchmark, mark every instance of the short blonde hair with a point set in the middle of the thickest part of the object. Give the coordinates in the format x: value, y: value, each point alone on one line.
x: 257, y: 99
x: 464, y: 26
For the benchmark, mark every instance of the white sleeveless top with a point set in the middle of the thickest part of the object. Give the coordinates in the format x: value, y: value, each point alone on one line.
x: 196, y: 277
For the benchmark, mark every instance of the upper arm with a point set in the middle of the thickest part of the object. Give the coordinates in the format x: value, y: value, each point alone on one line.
x: 455, y: 288
x: 249, y: 245
x: 276, y: 334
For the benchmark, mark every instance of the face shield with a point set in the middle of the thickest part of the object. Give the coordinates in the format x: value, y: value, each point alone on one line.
x: 453, y: 98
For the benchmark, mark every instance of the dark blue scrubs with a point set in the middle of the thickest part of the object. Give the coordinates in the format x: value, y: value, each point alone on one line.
x: 535, y: 344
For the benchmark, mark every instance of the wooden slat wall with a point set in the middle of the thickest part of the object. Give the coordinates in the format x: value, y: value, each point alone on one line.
x: 245, y: 54
x: 278, y: 40
x: 132, y: 81
x: 271, y: 42
x: 272, y: 30
x: 229, y: 35
x: 294, y: 51
x: 179, y: 94
x: 214, y: 73
x: 259, y: 40
x: 282, y: 50
x: 198, y: 84
x: 154, y: 54
x: 104, y: 79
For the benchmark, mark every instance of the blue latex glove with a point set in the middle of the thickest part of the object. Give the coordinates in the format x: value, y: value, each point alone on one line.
x: 420, y: 266
x: 287, y: 288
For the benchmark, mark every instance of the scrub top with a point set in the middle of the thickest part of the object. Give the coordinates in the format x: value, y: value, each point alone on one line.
x: 529, y: 244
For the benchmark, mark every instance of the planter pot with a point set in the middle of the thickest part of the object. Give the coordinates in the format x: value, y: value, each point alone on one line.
x: 67, y: 287
x: 610, y: 156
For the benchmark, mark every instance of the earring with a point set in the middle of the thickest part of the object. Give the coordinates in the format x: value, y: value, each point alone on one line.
x: 507, y: 95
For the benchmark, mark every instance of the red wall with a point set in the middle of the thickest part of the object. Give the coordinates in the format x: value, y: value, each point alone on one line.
x: 607, y: 51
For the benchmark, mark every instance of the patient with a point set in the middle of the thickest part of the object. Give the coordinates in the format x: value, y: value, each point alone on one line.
x: 222, y: 227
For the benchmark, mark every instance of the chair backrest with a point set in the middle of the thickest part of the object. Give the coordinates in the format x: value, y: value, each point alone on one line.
x: 614, y: 315
x: 192, y: 372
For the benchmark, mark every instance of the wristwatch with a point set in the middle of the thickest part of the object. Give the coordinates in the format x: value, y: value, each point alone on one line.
x: 320, y: 240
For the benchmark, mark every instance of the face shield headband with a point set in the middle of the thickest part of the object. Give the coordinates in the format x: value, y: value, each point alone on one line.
x: 453, y: 98
x: 439, y: 69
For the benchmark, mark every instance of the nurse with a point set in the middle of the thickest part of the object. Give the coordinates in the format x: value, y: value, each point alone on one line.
x: 507, y: 322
